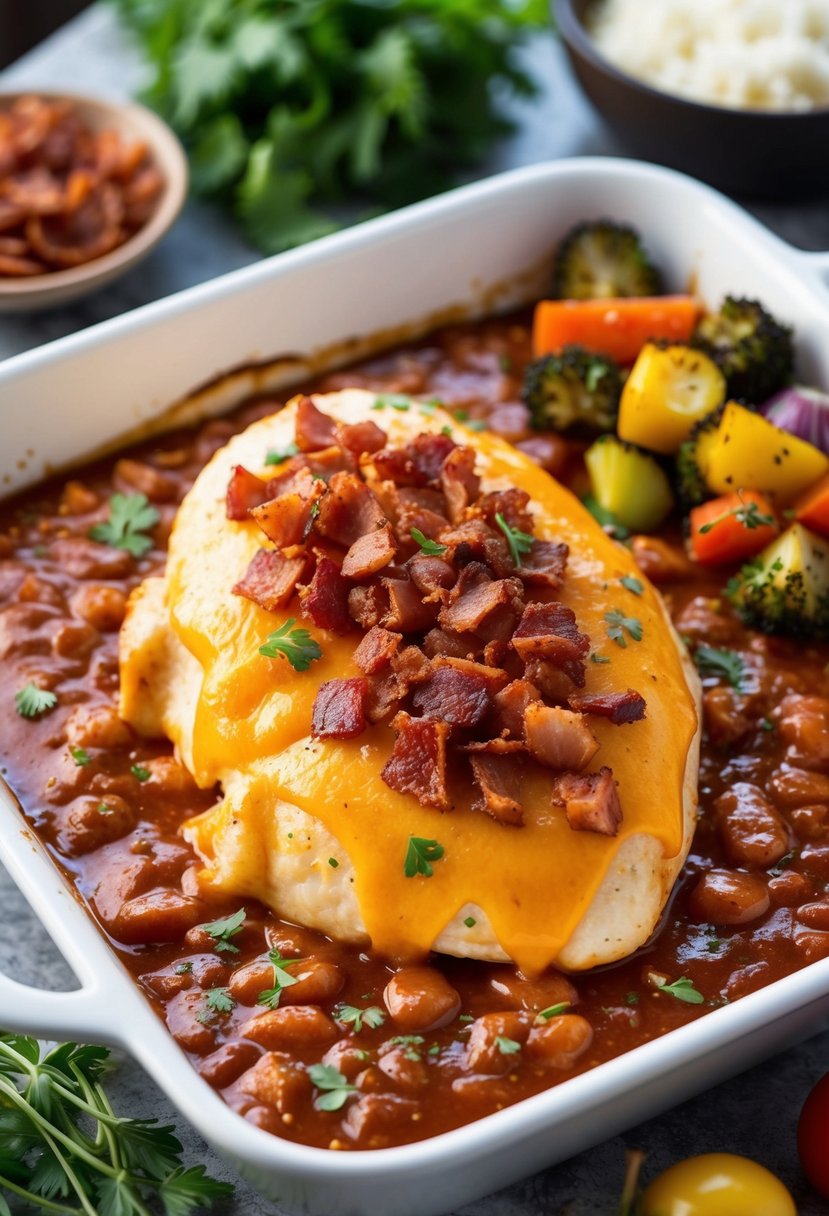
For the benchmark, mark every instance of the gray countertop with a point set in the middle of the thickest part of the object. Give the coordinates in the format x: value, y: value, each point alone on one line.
x: 755, y: 1113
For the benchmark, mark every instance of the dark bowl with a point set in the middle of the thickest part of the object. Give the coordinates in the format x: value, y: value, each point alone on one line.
x: 754, y: 153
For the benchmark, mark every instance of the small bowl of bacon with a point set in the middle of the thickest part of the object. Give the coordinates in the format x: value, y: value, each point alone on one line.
x: 87, y: 188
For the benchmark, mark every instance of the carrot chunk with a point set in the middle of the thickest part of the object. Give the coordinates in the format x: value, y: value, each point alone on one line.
x: 732, y: 528
x: 617, y: 328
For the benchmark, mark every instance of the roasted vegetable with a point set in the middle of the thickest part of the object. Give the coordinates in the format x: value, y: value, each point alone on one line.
x: 616, y: 328
x: 628, y: 483
x: 812, y: 508
x: 573, y: 391
x: 690, y: 480
x: 753, y: 350
x: 601, y: 260
x: 732, y: 528
x: 786, y: 588
x: 745, y: 452
x: 668, y: 390
x: 803, y: 412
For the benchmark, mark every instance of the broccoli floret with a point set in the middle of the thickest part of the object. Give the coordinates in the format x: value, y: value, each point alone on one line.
x: 786, y: 588
x: 603, y: 260
x: 573, y: 391
x: 691, y: 488
x: 752, y: 349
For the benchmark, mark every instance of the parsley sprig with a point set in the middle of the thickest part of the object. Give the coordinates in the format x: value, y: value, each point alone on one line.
x: 295, y: 645
x: 282, y: 979
x: 618, y: 625
x: 31, y: 701
x: 430, y: 547
x: 224, y: 929
x: 420, y: 854
x: 64, y: 1150
x: 724, y: 664
x: 683, y: 990
x: 352, y: 1015
x: 747, y: 513
x: 280, y: 455
x: 552, y: 1011
x: 335, y: 1088
x: 520, y: 543
x: 130, y: 516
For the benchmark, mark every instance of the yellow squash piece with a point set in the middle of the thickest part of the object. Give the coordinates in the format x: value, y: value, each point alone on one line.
x: 747, y: 452
x: 668, y: 390
x: 628, y: 483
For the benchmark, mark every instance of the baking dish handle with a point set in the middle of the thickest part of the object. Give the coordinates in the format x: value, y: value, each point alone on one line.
x: 52, y: 1015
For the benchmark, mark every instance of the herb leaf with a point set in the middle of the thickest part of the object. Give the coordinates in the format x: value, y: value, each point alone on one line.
x: 80, y: 755
x: 632, y: 584
x: 130, y: 515
x: 725, y: 664
x: 552, y: 1011
x: 684, y: 990
x: 282, y: 979
x: 295, y: 645
x: 280, y: 455
x: 618, y: 624
x: 392, y: 401
x: 224, y: 929
x: 140, y: 773
x: 220, y: 1000
x: 420, y: 854
x: 335, y: 1088
x: 430, y: 547
x: 747, y: 513
x: 351, y: 1015
x: 507, y: 1047
x: 520, y: 543
x: 32, y: 701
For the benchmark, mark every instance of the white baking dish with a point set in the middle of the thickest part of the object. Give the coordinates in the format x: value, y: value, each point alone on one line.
x: 481, y: 248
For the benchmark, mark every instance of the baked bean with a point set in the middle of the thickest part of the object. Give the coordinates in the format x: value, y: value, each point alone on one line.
x: 75, y: 640
x: 77, y: 499
x: 404, y: 1066
x: 165, y: 984
x: 803, y: 723
x: 24, y: 629
x: 347, y: 1058
x: 34, y: 590
x: 276, y: 1081
x: 725, y: 721
x: 225, y: 1065
x: 421, y: 999
x: 729, y: 897
x: 702, y: 621
x: 81, y: 558
x: 752, y: 831
x: 167, y: 773
x: 212, y: 437
x: 515, y: 992
x: 793, y: 787
x: 373, y: 1119
x: 560, y: 1041
x: 371, y: 1080
x: 814, y: 858
x: 183, y: 1021
x: 137, y: 476
x: 89, y: 822
x: 101, y: 606
x: 249, y: 982
x: 488, y: 1047
x: 815, y: 916
x: 296, y: 1027
x: 208, y: 970
x: 476, y: 1089
x: 317, y: 983
x: 169, y: 859
x: 293, y: 942
x: 811, y: 822
x: 659, y: 561
x: 812, y: 945
x: 97, y: 726
x: 746, y: 979
x: 789, y: 889
x: 509, y: 420
x: 158, y: 916
x: 262, y: 1117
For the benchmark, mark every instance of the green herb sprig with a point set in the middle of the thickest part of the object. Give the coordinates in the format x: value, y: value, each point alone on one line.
x: 682, y: 990
x: 335, y: 1088
x: 431, y: 548
x: 295, y: 645
x: 130, y: 516
x: 420, y: 854
x: 282, y: 979
x: 618, y: 625
x: 224, y: 929
x: 352, y: 1015
x: 520, y: 543
x: 724, y: 664
x: 31, y: 701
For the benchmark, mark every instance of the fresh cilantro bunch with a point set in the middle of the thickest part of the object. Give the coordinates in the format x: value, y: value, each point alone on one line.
x: 64, y: 1150
x: 290, y: 106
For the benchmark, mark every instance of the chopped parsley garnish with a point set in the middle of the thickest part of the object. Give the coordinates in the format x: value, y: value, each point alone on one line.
x: 183, y: 968
x: 747, y: 513
x: 684, y: 990
x: 280, y: 455
x: 219, y: 1000
x: 520, y: 543
x: 725, y: 664
x: 130, y: 516
x: 446, y: 430
x: 351, y: 1015
x: 430, y: 547
x: 599, y: 658
x: 32, y: 701
x: 335, y: 1088
x: 282, y: 979
x: 103, y: 809
x: 391, y: 401
x: 224, y: 929
x: 767, y: 725
x: 632, y: 584
x: 632, y: 998
x: 476, y: 424
x: 140, y: 773
x: 470, y: 922
x: 465, y: 1017
x: 618, y: 624
x: 295, y: 645
x: 507, y: 1047
x: 420, y: 854
x: 334, y: 864
x: 80, y: 755
x: 407, y: 1040
x: 552, y: 1011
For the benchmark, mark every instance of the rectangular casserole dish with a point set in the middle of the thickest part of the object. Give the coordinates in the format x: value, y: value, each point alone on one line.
x: 478, y: 250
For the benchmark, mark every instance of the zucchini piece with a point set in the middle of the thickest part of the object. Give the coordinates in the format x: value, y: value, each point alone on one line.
x: 786, y: 588
x: 628, y: 483
x: 668, y: 390
x: 747, y: 452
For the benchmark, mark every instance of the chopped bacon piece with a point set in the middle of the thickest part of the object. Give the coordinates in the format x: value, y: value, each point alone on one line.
x: 467, y: 540
x: 428, y: 452
x: 368, y: 606
x: 339, y: 709
x: 396, y: 465
x: 619, y: 707
x: 314, y: 429
x: 553, y: 682
x: 384, y: 697
x: 407, y: 612
x: 325, y: 599
x: 508, y: 706
x: 493, y: 677
x: 425, y: 497
x: 361, y: 437
x: 244, y: 490
x: 411, y: 666
x: 440, y: 642
x: 545, y: 564
x: 512, y: 504
x: 376, y: 650
x: 369, y: 553
x: 549, y: 631
x: 494, y: 747
x: 428, y: 522
x: 460, y: 483
x: 460, y: 698
x: 590, y: 801
x: 557, y: 737
x: 287, y: 519
x: 432, y: 576
x: 271, y: 578
x: 489, y: 608
x: 417, y: 764
x: 499, y: 780
x: 349, y: 510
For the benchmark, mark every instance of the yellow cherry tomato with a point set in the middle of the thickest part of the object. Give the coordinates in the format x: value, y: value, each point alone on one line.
x: 717, y: 1184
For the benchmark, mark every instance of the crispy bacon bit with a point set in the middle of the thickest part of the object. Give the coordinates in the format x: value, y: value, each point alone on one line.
x: 549, y: 631
x: 362, y: 437
x: 244, y: 490
x: 286, y: 520
x: 396, y: 465
x: 512, y: 504
x: 411, y: 666
x: 439, y: 642
x: 499, y: 780
x: 271, y: 578
x: 619, y: 707
x: 494, y: 747
x: 384, y: 697
x: 494, y: 677
x: 369, y: 553
x: 339, y: 709
x: 467, y: 541
x: 545, y: 564
x: 368, y: 606
x: 349, y: 510
x: 508, y: 706
x: 555, y: 683
x: 325, y: 599
x: 558, y: 738
x: 376, y: 650
x: 407, y: 613
x: 417, y: 764
x: 488, y: 608
x: 460, y: 698
x: 428, y: 522
x: 432, y: 576
x: 314, y: 429
x: 460, y: 483
x: 428, y: 453
x: 590, y: 801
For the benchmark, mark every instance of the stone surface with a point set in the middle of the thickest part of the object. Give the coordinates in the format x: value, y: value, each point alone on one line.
x: 754, y: 1114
